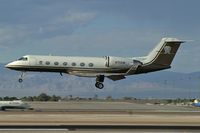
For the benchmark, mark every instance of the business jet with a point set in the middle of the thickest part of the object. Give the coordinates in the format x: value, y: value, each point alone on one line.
x: 114, y: 68
x: 16, y: 104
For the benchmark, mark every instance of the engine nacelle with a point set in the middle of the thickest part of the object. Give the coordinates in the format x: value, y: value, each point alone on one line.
x: 119, y: 62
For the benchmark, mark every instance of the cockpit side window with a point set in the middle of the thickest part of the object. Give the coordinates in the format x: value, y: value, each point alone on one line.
x: 23, y: 59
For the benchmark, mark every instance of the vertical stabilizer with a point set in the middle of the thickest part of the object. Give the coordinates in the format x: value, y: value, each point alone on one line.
x: 163, y: 54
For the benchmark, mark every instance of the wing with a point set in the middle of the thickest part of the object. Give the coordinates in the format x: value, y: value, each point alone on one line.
x: 112, y: 76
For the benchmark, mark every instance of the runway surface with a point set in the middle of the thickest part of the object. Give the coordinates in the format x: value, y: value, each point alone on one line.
x: 109, y: 116
x: 98, y: 128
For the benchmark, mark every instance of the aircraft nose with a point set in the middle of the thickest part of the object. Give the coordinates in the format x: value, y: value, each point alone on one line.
x: 9, y: 65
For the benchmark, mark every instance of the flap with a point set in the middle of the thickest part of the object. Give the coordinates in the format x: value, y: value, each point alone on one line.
x: 116, y: 77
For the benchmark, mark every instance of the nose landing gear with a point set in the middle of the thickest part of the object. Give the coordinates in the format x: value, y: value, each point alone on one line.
x: 99, y: 81
x: 20, y: 80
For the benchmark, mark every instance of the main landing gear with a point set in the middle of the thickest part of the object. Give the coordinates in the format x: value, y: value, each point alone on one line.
x: 99, y: 82
x: 20, y: 80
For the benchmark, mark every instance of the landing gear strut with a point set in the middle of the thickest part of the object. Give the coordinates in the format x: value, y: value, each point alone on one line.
x: 99, y: 82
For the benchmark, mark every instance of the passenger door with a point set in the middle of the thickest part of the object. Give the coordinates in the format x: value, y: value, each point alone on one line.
x: 32, y: 61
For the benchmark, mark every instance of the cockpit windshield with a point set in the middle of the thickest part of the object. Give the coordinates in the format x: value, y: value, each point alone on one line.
x: 23, y: 59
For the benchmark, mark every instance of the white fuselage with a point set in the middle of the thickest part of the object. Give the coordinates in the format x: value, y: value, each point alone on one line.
x: 80, y: 66
x: 16, y: 104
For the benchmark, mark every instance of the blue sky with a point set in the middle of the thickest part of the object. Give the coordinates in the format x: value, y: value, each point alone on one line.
x: 98, y: 28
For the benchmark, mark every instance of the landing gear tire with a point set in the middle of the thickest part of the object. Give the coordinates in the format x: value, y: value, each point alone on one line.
x: 99, y: 85
x: 99, y: 81
x: 20, y: 80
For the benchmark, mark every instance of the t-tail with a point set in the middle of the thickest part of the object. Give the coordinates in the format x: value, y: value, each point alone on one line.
x: 161, y: 56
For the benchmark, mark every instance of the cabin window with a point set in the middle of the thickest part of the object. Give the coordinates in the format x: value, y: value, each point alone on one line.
x: 56, y: 63
x: 82, y: 64
x: 90, y: 64
x: 64, y: 63
x: 47, y: 63
x: 73, y: 64
x: 40, y: 62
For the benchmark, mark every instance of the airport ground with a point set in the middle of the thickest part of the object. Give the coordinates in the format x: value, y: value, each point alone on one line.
x: 75, y: 116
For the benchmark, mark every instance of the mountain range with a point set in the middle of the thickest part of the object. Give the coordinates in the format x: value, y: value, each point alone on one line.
x: 163, y: 84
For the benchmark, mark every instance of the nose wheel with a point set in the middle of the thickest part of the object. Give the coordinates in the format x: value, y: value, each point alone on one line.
x: 99, y: 82
x: 20, y: 80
